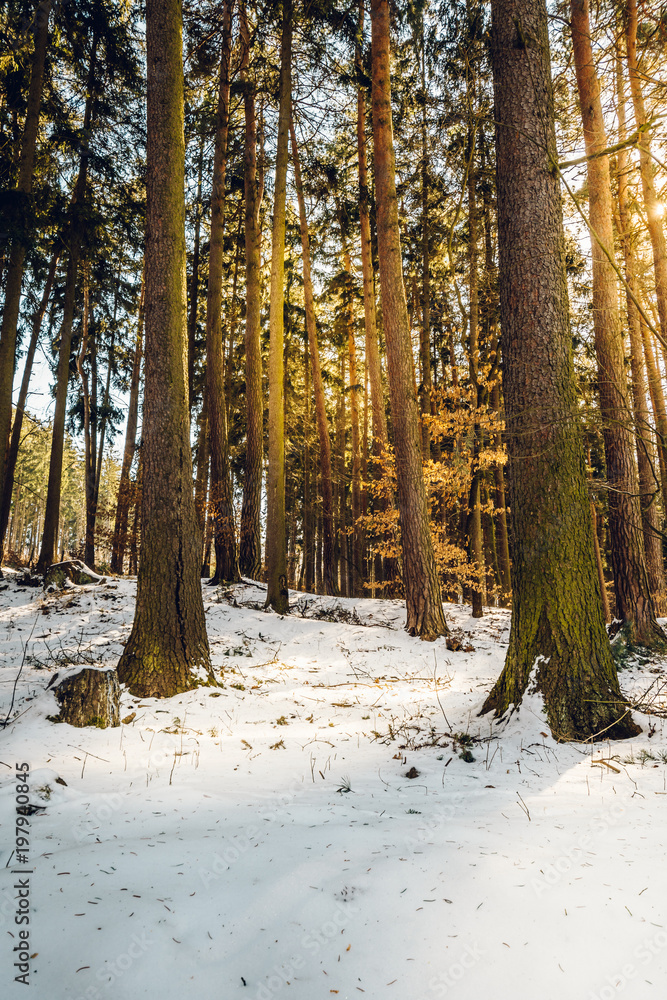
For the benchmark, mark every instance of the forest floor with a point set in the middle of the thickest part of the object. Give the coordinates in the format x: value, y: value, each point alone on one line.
x: 343, y: 821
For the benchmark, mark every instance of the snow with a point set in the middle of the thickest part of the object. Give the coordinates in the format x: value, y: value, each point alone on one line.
x: 263, y: 840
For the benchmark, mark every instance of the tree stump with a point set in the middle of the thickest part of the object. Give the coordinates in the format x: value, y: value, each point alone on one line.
x: 73, y: 570
x: 88, y: 697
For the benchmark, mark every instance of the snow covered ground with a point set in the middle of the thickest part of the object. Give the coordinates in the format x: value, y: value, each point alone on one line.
x: 308, y: 830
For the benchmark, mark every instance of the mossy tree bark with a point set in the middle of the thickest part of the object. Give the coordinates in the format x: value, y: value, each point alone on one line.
x: 250, y: 553
x: 14, y: 274
x: 167, y: 651
x: 425, y: 616
x: 558, y: 639
x: 277, y: 595
x: 221, y: 505
x: 634, y: 604
x: 326, y: 487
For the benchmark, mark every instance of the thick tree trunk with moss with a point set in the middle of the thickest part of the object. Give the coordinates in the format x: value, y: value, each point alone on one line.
x: 125, y: 490
x: 425, y: 616
x: 75, y: 234
x: 167, y: 651
x: 318, y: 386
x: 277, y: 595
x: 250, y: 553
x: 14, y: 275
x: 634, y: 604
x: 558, y: 641
x: 221, y: 505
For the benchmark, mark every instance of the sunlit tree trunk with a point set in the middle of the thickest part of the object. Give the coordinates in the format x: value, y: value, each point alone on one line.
x: 425, y: 616
x: 634, y: 605
x: 318, y: 386
x: 277, y: 595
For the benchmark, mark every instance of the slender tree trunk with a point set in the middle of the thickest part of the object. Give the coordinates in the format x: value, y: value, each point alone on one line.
x: 426, y: 385
x: 326, y: 488
x: 76, y: 228
x: 558, y: 642
x: 657, y: 402
x: 15, y: 441
x: 222, y: 510
x: 356, y: 560
x: 194, y: 281
x: 308, y: 533
x: 634, y: 605
x: 89, y: 458
x: 649, y: 482
x: 14, y: 275
x: 168, y: 648
x: 119, y: 540
x: 201, y: 479
x: 598, y: 562
x: 277, y: 595
x: 652, y: 203
x: 250, y: 556
x: 425, y: 616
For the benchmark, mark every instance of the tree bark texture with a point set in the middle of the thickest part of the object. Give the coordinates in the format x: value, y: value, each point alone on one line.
x: 167, y: 651
x: 425, y: 616
x: 277, y: 595
x: 558, y: 642
x: 634, y: 604
x: 221, y: 505
x: 326, y: 487
x: 250, y: 554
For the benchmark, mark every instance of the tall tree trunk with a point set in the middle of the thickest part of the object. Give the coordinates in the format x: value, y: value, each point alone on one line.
x: 14, y: 276
x: 355, y: 547
x: 250, y: 555
x: 12, y: 454
x: 89, y: 458
x: 634, y: 605
x: 426, y: 384
x: 168, y: 648
x: 558, y: 642
x: 308, y: 533
x: 76, y: 226
x: 326, y: 487
x: 221, y: 505
x: 474, y: 520
x: 119, y: 539
x: 277, y: 595
x: 649, y: 483
x: 425, y: 616
x: 652, y: 203
x: 194, y: 280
